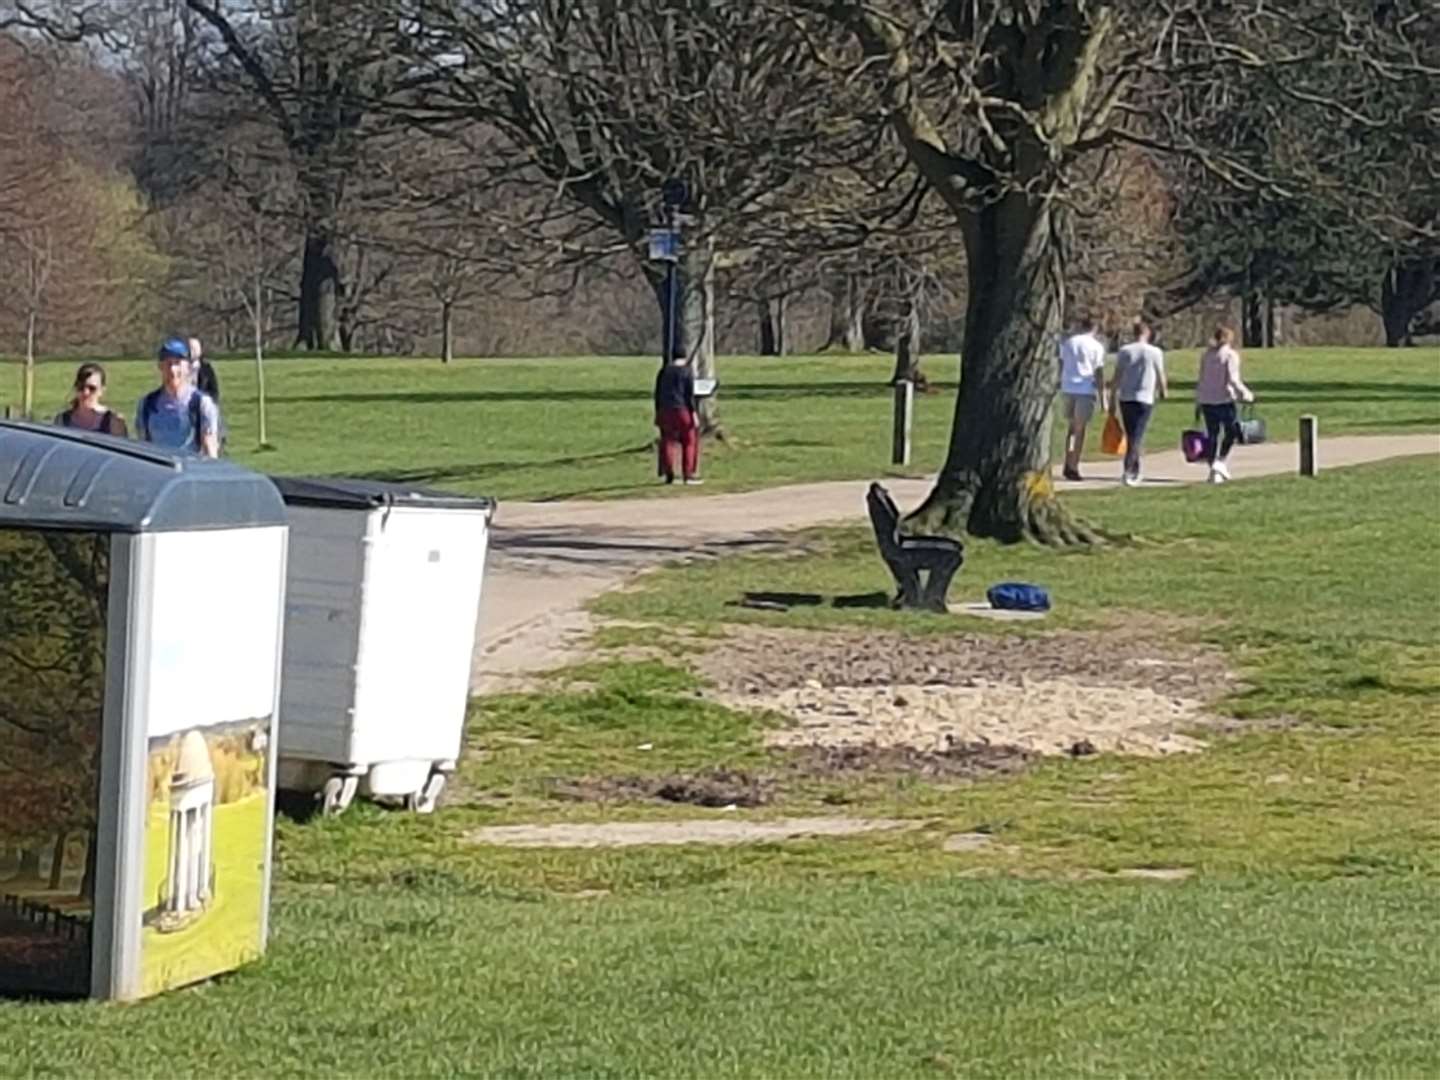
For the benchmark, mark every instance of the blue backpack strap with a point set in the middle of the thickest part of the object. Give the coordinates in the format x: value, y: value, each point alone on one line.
x: 197, y: 415
x: 147, y: 410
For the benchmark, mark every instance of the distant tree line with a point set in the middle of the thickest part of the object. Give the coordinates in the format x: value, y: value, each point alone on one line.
x: 365, y: 175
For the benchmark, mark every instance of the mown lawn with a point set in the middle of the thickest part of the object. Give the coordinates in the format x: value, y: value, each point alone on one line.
x: 581, y: 427
x: 1302, y: 944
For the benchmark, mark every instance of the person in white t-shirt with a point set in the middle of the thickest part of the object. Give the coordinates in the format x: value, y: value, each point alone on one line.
x: 1082, y: 388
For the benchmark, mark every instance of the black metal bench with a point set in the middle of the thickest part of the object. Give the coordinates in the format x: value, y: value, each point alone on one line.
x: 907, y: 556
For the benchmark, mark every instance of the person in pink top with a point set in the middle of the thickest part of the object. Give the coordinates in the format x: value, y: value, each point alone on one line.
x: 1217, y: 388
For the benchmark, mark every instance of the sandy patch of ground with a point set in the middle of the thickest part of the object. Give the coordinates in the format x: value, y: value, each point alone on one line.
x: 753, y: 660
x: 667, y: 833
x: 1054, y: 716
x: 1062, y: 693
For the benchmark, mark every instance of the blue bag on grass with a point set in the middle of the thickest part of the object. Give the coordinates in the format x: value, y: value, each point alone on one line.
x: 1018, y: 596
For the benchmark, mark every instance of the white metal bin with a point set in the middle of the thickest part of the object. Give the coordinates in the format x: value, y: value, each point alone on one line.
x: 383, y: 592
x: 141, y: 602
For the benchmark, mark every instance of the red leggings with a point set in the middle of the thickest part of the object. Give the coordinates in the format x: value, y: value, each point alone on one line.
x: 677, y: 428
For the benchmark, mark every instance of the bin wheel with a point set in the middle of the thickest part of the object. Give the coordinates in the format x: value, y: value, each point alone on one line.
x: 337, y: 794
x: 427, y: 798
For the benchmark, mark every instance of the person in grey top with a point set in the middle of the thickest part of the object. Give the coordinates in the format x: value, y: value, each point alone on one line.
x: 1139, y: 381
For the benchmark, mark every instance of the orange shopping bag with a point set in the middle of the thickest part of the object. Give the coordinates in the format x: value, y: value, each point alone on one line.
x: 1112, y: 439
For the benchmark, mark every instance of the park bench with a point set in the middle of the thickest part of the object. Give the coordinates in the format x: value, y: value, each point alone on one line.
x: 907, y: 556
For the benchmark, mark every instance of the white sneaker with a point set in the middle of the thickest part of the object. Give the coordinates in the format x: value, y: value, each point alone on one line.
x: 1216, y: 477
x: 693, y: 481
x: 1131, y: 481
x: 1222, y: 469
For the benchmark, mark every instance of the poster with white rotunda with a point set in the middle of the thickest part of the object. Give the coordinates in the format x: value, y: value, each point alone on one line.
x: 209, y: 725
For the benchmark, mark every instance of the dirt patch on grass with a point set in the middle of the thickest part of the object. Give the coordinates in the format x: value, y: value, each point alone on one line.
x: 757, y: 660
x: 962, y: 762
x: 651, y: 833
x: 1068, y: 692
x: 1055, y: 716
x: 711, y: 787
x: 731, y: 788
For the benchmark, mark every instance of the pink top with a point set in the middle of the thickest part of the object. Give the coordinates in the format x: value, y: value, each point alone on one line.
x: 1219, y: 381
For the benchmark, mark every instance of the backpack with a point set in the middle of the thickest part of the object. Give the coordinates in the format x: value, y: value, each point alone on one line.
x: 1017, y: 596
x: 207, y: 381
x: 107, y: 422
x: 147, y: 410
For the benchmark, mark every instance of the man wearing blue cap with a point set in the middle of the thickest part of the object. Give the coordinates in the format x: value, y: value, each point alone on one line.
x: 175, y: 414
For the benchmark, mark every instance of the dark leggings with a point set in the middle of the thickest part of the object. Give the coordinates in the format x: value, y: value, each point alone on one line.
x: 1135, y: 415
x: 1219, y: 417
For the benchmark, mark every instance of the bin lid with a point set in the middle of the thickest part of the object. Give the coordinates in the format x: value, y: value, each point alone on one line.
x: 55, y: 477
x: 351, y: 494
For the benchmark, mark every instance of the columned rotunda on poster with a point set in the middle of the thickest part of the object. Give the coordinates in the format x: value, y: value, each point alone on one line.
x: 190, y: 876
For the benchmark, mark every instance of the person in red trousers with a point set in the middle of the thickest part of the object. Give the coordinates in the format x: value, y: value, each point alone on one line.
x: 677, y: 419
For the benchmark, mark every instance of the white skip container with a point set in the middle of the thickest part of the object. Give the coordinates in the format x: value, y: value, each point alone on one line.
x: 383, y: 592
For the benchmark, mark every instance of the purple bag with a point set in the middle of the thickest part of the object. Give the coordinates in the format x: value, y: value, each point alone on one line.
x: 1195, y: 445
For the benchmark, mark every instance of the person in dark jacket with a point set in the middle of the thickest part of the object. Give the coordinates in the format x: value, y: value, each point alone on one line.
x: 677, y: 418
x: 202, y: 372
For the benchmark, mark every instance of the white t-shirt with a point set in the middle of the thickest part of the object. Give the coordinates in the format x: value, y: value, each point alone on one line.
x: 1081, y: 356
x: 1139, y: 367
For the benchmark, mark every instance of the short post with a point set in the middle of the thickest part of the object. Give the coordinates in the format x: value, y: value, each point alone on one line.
x: 1309, y: 435
x: 904, y: 409
x: 9, y: 412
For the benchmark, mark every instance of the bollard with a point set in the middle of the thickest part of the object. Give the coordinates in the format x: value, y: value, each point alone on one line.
x: 1309, y: 436
x: 904, y: 408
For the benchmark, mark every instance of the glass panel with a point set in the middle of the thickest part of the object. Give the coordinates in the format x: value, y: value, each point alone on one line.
x: 54, y: 591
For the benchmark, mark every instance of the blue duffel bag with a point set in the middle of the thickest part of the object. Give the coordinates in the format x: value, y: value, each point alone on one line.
x: 1018, y: 596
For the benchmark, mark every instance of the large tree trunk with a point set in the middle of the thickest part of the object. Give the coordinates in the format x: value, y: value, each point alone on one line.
x: 87, y: 880
x: 1252, y: 319
x: 318, y: 327
x: 27, y: 393
x: 996, y: 478
x: 771, y: 314
x: 1272, y: 319
x: 769, y: 345
x: 907, y: 344
x: 257, y: 323
x: 697, y: 306
x: 1405, y: 291
x: 57, y: 860
x: 695, y: 328
x: 847, y: 314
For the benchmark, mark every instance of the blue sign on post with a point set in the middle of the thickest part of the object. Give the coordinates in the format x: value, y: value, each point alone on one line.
x: 664, y: 245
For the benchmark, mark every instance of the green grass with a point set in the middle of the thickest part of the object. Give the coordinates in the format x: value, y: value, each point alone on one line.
x: 581, y: 427
x: 1352, y: 555
x: 1303, y: 944
x: 941, y: 978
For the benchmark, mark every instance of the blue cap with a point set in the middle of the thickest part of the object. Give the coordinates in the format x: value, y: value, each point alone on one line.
x: 175, y: 347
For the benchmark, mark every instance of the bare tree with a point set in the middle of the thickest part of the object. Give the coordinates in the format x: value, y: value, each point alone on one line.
x: 610, y: 100
x: 1000, y: 104
x: 319, y: 73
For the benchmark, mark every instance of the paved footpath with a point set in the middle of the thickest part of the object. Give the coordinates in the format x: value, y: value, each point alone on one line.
x: 547, y: 560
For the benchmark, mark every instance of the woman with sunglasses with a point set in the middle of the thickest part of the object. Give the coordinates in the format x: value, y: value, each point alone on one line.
x: 86, y: 409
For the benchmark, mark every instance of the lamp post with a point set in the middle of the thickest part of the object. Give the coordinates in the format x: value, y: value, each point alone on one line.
x: 665, y: 247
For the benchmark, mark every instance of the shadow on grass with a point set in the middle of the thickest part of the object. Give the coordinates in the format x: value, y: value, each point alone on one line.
x: 1391, y: 424
x: 640, y: 393
x: 783, y: 601
x: 577, y: 545
x: 1333, y: 390
x: 430, y: 474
